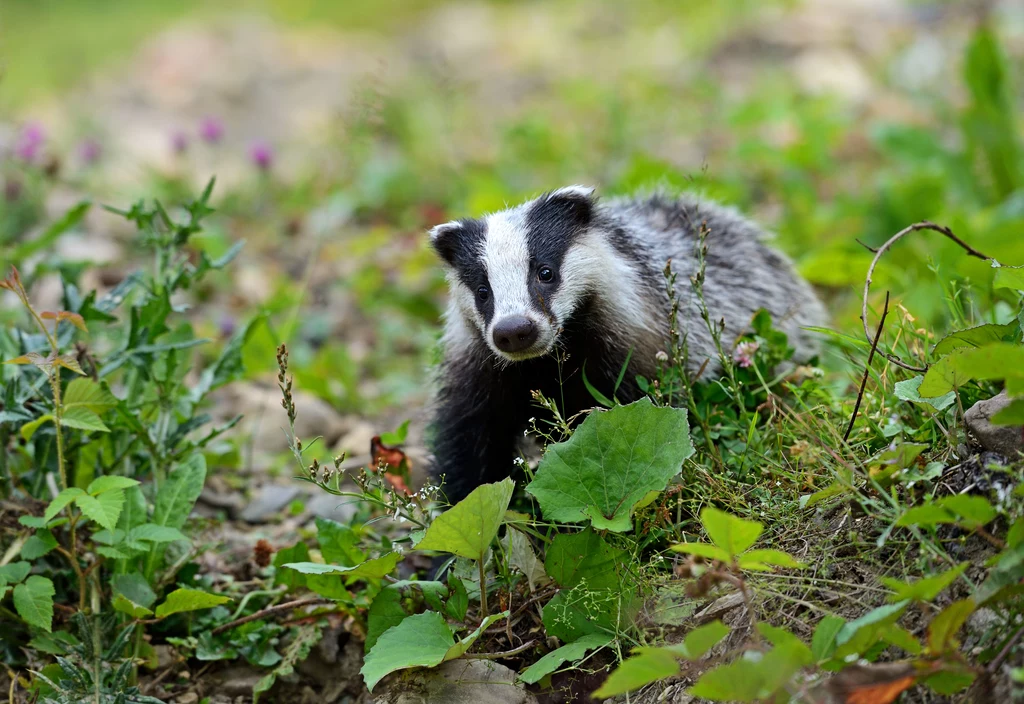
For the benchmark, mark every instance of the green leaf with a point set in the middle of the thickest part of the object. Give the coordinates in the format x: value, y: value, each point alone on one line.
x: 764, y: 560
x: 747, y: 680
x: 924, y: 590
x: 60, y: 501
x: 33, y: 600
x: 298, y: 649
x: 376, y: 568
x: 83, y: 419
x: 700, y: 640
x: 647, y: 666
x: 705, y: 550
x: 522, y: 558
x: 103, y: 509
x: 88, y: 394
x: 781, y: 638
x: 908, y: 391
x: 134, y: 512
x: 944, y: 627
x: 38, y: 545
x: 179, y: 492
x: 611, y: 463
x: 857, y: 636
x: 1009, y: 277
x: 182, y: 600
x: 339, y: 544
x: 976, y: 337
x: 14, y: 572
x: 1013, y: 414
x: 108, y: 483
x: 969, y: 511
x: 823, y: 643
x: 999, y: 360
x: 571, y: 652
x: 468, y: 528
x: 462, y: 646
x: 296, y: 553
x: 731, y: 533
x: 152, y: 533
x: 458, y: 599
x: 30, y: 428
x: 127, y: 606
x: 387, y: 609
x: 585, y: 558
x: 396, y: 437
x: 134, y: 587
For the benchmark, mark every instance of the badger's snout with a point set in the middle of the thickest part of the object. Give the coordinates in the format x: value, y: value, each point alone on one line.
x: 514, y: 333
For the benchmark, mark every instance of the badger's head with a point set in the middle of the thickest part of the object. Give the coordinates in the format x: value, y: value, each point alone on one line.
x: 518, y: 275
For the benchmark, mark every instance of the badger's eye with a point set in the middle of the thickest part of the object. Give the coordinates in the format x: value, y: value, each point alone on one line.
x: 482, y: 293
x: 545, y: 274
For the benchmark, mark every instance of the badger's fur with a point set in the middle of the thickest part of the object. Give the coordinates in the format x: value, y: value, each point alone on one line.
x: 566, y: 272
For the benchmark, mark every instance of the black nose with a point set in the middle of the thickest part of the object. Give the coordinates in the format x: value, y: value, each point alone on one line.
x: 514, y: 333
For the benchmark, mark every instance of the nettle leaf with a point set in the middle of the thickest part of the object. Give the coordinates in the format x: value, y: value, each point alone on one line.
x: 1009, y: 277
x: 924, y: 590
x: 109, y: 483
x: 376, y: 568
x: 88, y: 394
x: 38, y: 545
x: 339, y: 543
x: 976, y: 337
x: 571, y: 652
x: 182, y: 600
x: 908, y: 391
x: 60, y: 501
x: 103, y: 509
x: 423, y: 640
x: 468, y: 528
x: 1000, y: 360
x: 612, y: 461
x: 731, y: 533
x: 179, y: 492
x: 14, y: 572
x: 944, y: 627
x: 33, y: 600
x: 81, y: 418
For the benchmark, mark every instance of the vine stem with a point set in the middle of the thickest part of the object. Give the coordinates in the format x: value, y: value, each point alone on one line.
x: 924, y: 225
x: 483, y: 588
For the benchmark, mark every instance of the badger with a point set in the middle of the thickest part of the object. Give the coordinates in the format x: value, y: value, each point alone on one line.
x: 566, y: 286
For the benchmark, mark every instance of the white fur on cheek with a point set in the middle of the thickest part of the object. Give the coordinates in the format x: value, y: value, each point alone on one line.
x: 464, y: 301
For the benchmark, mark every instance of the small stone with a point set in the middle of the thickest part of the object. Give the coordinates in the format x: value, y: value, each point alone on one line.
x: 1007, y: 440
x: 235, y: 681
x: 187, y: 698
x: 269, y: 502
x: 464, y: 681
x: 340, y: 509
x: 356, y: 441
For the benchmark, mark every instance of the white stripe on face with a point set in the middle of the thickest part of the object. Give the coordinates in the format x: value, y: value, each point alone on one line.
x: 506, y: 256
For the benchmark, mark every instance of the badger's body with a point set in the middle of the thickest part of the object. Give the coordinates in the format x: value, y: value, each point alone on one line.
x: 564, y: 272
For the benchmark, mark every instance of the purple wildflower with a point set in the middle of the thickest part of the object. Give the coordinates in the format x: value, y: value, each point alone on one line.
x: 227, y: 325
x: 211, y: 130
x: 89, y: 151
x: 262, y: 155
x: 179, y: 142
x: 743, y: 355
x: 30, y: 141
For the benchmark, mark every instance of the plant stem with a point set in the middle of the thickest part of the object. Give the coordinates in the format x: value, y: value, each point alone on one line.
x: 483, y: 587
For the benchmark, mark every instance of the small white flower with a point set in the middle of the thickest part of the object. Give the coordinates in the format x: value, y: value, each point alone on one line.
x: 518, y: 461
x: 661, y: 356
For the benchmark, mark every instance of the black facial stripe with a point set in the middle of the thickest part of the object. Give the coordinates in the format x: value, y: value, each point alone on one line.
x: 552, y: 224
x: 461, y: 248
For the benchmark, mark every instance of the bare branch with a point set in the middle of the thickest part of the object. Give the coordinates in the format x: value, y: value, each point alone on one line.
x: 867, y: 368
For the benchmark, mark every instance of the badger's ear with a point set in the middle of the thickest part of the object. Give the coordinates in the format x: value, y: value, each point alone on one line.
x: 575, y: 203
x: 445, y: 240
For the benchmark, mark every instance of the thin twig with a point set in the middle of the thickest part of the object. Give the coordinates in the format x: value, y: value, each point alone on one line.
x: 867, y: 368
x: 1005, y: 652
x: 505, y: 654
x: 308, y: 601
x: 878, y: 255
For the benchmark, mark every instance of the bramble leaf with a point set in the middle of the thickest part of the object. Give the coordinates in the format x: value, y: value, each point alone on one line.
x: 33, y: 600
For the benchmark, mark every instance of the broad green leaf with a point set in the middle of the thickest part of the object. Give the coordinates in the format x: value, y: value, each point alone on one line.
x: 376, y: 568
x: 574, y: 613
x: 901, y: 638
x: 30, y: 428
x: 976, y: 337
x: 467, y: 528
x: 949, y: 683
x: 731, y: 533
x: 611, y: 463
x: 522, y: 558
x: 700, y: 640
x: 134, y: 512
x: 1015, y: 536
x: 103, y: 509
x: 764, y: 560
x: 127, y: 606
x: 746, y: 680
x: 422, y: 640
x: 292, y: 579
x: 1012, y: 414
x: 647, y: 666
x: 999, y: 360
x: 461, y: 646
x: 571, y: 652
x: 781, y: 638
x: 38, y: 545
x: 182, y: 600
x: 857, y: 636
x: 32, y: 521
x: 968, y: 511
x: 83, y: 419
x: 705, y: 550
x: 88, y: 394
x: 14, y: 572
x: 339, y: 543
x: 179, y: 492
x: 152, y: 533
x: 60, y: 501
x: 387, y: 609
x: 908, y: 391
x: 585, y: 558
x: 458, y: 598
x: 924, y: 590
x: 134, y: 587
x: 823, y: 643
x: 944, y: 627
x: 109, y: 482
x: 33, y: 600
x: 1009, y: 277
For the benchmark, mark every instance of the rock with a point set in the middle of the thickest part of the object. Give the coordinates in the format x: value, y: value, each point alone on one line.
x: 263, y: 416
x: 231, y: 502
x: 356, y: 442
x: 719, y: 607
x: 336, y: 508
x: 464, y: 681
x: 269, y: 501
x: 1007, y: 440
x: 187, y: 698
x: 234, y: 681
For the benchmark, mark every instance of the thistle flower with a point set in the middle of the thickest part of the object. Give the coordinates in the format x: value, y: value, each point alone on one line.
x: 89, y: 151
x: 30, y: 141
x: 262, y: 155
x: 743, y: 355
x: 211, y: 130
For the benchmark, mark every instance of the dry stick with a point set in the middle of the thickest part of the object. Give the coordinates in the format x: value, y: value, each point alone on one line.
x: 308, y: 601
x: 507, y: 653
x: 867, y: 367
x: 1005, y: 652
x: 878, y: 255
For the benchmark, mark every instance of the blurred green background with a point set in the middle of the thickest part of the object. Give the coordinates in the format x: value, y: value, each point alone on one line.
x: 340, y: 131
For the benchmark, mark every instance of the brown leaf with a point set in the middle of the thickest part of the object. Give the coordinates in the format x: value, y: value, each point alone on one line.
x: 13, y: 282
x: 69, y: 361
x: 392, y: 462
x: 872, y: 684
x: 74, y: 318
